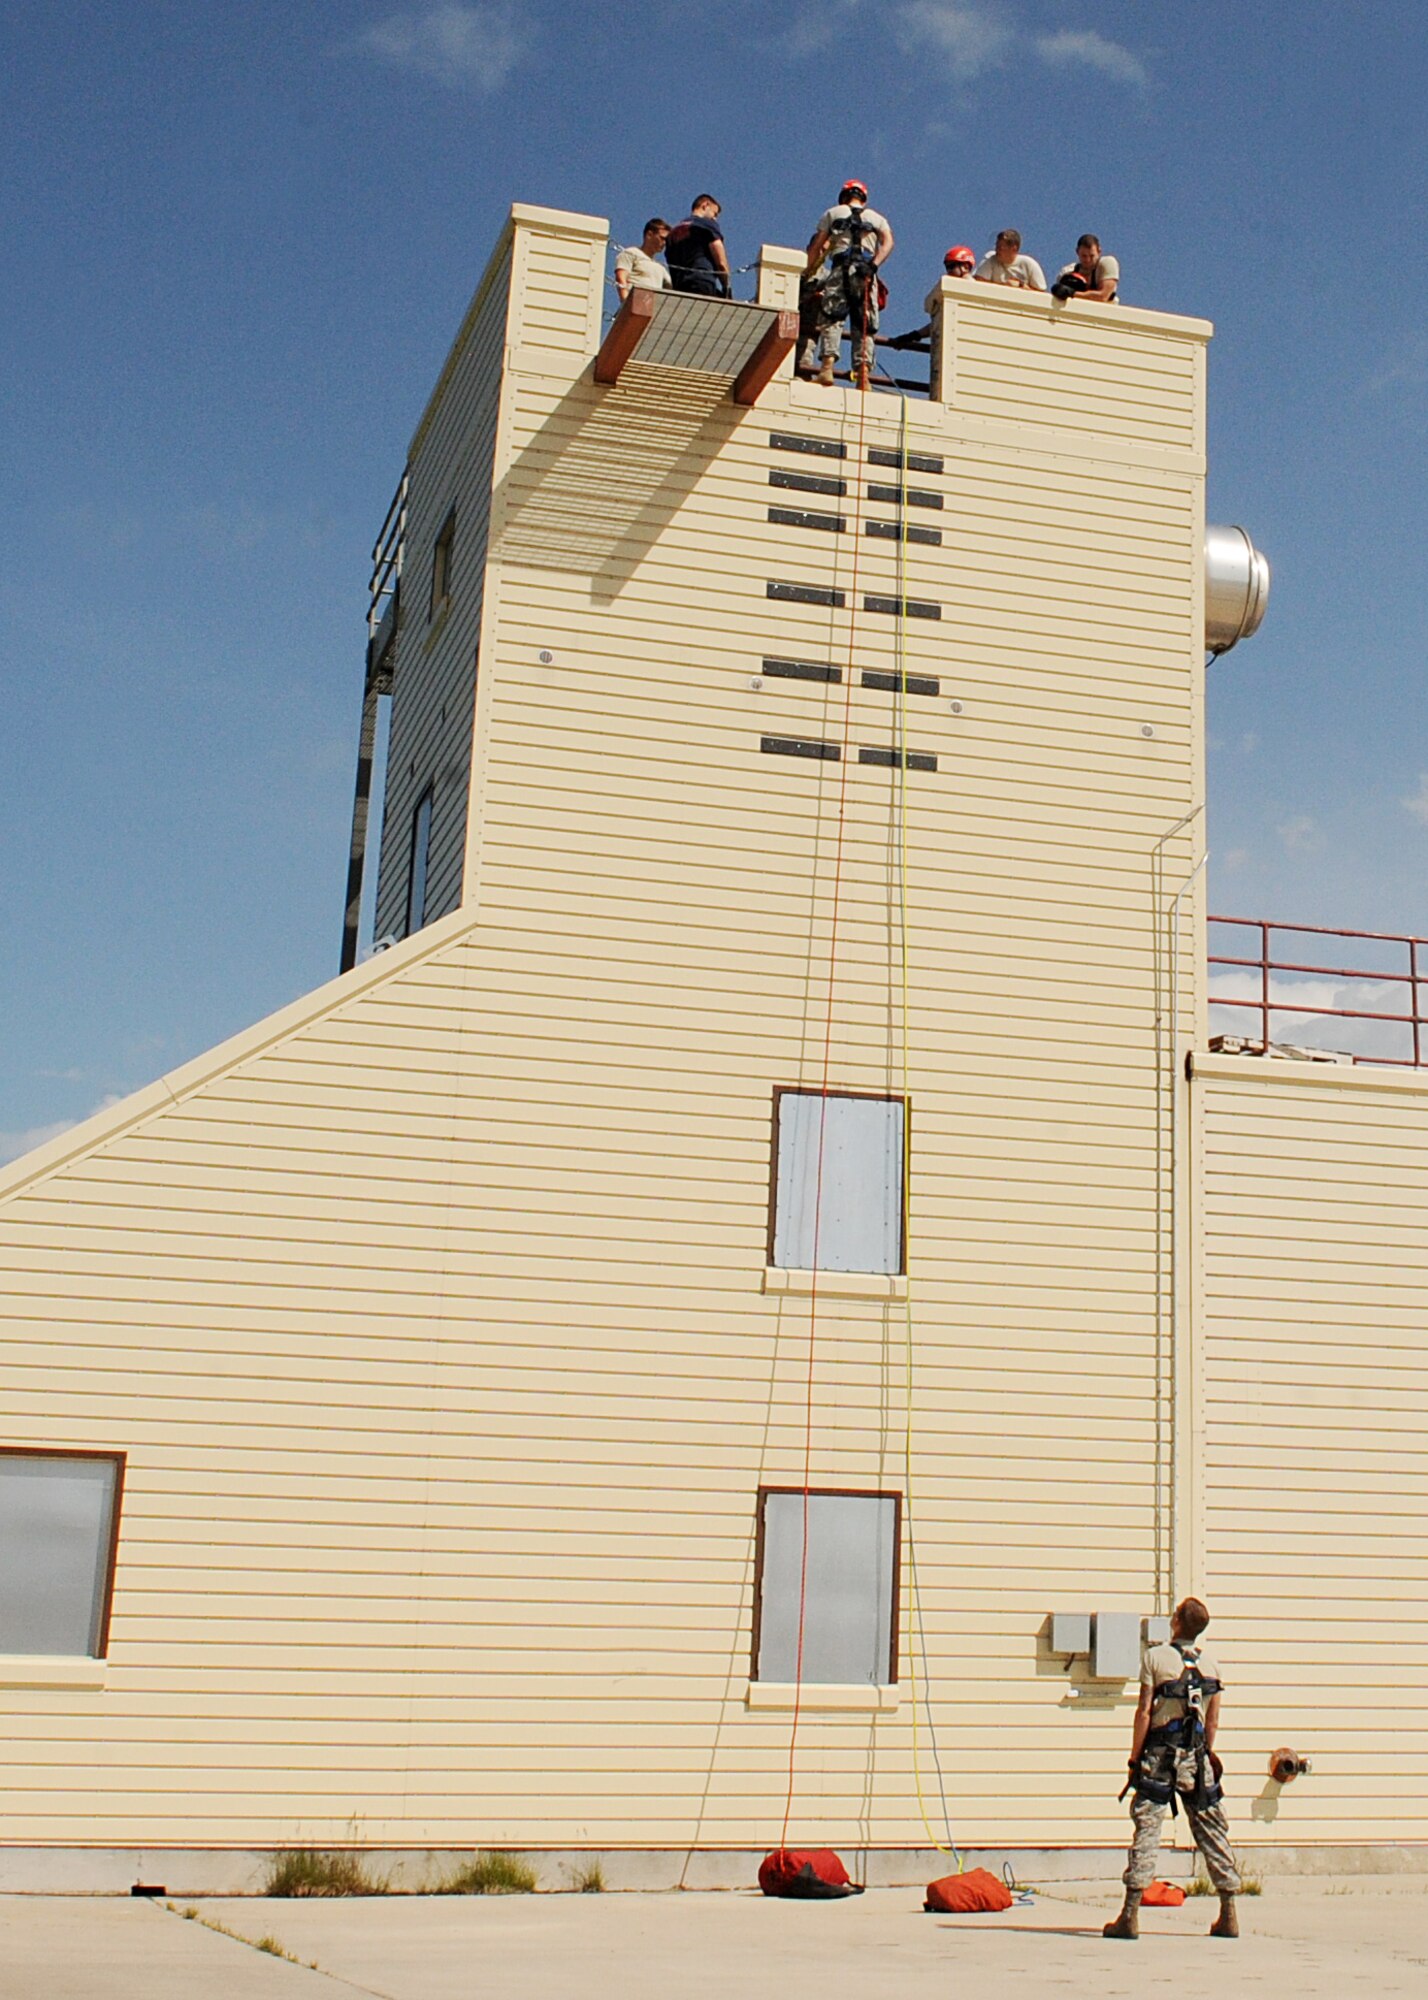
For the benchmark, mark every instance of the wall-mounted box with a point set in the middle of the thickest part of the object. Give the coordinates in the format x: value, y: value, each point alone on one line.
x: 1070, y: 1631
x: 1115, y: 1652
x: 1157, y: 1631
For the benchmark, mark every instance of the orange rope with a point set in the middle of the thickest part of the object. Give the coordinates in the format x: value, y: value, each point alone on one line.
x: 823, y: 1112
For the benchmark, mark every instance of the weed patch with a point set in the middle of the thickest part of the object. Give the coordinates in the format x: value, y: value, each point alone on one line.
x: 489, y: 1875
x: 588, y: 1881
x: 313, y: 1871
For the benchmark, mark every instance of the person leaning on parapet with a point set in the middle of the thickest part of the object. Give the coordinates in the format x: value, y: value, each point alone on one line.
x: 1092, y: 276
x: 856, y: 242
x: 1005, y: 265
x: 958, y: 262
x: 695, y: 253
x: 1173, y: 1759
x: 640, y: 270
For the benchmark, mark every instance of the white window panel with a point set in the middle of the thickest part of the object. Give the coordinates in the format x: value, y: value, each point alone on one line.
x: 56, y: 1521
x: 851, y: 1594
x: 860, y: 1196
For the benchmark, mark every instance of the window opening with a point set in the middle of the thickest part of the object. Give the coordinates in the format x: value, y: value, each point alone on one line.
x: 420, y: 856
x: 851, y: 1591
x: 861, y: 1192
x: 59, y: 1530
x: 441, y: 564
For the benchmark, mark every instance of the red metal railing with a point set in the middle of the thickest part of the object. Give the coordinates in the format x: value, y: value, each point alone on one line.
x: 1267, y: 1005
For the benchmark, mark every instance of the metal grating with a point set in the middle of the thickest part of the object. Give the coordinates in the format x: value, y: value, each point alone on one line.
x: 712, y: 336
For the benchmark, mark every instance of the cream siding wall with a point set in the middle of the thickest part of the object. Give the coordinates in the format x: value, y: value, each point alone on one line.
x: 1316, y: 1244
x: 434, y: 1317
x: 433, y: 691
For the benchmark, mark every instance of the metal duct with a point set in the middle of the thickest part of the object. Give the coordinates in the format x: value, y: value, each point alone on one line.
x: 1236, y: 588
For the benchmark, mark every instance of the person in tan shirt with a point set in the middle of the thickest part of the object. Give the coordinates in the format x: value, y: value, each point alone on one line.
x: 1173, y: 1764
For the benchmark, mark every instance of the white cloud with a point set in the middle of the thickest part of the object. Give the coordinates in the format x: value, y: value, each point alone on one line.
x: 14, y: 1145
x: 967, y: 39
x: 463, y: 47
x: 1249, y: 742
x: 1299, y: 835
x: 1408, y: 370
x: 1092, y: 51
x: 1234, y: 858
x: 1416, y: 805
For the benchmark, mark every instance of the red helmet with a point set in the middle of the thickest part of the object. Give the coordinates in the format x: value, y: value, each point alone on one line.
x: 960, y: 253
x: 852, y: 187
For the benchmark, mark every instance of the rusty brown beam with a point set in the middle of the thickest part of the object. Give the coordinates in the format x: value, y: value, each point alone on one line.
x: 763, y: 364
x: 632, y: 323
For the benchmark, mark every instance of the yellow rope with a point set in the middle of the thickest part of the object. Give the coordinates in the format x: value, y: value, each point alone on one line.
x: 916, y: 1633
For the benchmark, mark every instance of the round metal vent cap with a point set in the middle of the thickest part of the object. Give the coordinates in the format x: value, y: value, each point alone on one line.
x: 1236, y: 588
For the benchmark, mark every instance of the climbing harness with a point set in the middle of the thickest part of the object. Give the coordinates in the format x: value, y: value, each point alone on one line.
x: 1176, y: 1750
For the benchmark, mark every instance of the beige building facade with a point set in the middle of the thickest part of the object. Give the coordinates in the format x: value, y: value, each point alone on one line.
x: 791, y: 1070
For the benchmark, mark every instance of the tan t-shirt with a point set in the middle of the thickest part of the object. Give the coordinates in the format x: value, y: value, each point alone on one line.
x: 1022, y: 270
x: 1107, y: 272
x: 644, y: 273
x: 1164, y: 1663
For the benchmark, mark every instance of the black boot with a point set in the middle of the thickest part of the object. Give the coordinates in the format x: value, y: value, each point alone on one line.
x: 1127, y: 1924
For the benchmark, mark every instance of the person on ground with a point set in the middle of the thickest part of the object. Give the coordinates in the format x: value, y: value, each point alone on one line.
x: 1092, y: 276
x: 640, y: 270
x: 1005, y: 265
x: 695, y: 253
x: 1173, y: 1760
x: 958, y: 262
x: 853, y: 242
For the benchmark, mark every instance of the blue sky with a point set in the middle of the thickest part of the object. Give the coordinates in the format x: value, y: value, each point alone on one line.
x: 242, y: 235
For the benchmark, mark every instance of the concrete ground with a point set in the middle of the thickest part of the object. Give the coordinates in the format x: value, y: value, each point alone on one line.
x: 1304, y: 1939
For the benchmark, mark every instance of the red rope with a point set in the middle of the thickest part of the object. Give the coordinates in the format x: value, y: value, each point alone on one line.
x: 823, y: 1115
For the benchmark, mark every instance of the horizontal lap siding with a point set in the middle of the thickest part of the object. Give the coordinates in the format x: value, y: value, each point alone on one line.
x: 436, y: 1331
x: 1316, y: 1230
x: 435, y: 680
x: 1096, y: 379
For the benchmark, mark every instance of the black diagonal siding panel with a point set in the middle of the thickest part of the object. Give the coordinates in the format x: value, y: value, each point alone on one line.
x: 805, y: 593
x: 917, y: 760
x: 916, y: 461
x: 916, y: 683
x: 888, y: 530
x: 819, y: 447
x: 916, y: 496
x: 794, y: 746
x: 807, y: 482
x: 805, y: 517
x: 911, y: 608
x: 801, y: 670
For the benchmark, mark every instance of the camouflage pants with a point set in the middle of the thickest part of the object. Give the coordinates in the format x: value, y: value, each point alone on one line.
x: 850, y: 294
x: 1212, y: 1837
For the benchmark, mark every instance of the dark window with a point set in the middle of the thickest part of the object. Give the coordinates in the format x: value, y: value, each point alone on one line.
x: 796, y: 517
x: 420, y: 858
x: 819, y: 447
x: 441, y: 564
x: 801, y: 670
x: 916, y: 461
x: 59, y: 1530
x: 794, y: 746
x: 835, y: 1556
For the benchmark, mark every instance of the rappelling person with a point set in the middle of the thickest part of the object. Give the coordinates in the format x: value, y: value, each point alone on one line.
x: 1173, y: 1764
x: 851, y: 242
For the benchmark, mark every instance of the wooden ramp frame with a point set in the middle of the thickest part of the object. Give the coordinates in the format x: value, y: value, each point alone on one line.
x: 708, y: 336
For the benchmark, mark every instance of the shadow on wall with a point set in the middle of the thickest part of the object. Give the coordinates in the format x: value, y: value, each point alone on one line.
x: 600, y: 481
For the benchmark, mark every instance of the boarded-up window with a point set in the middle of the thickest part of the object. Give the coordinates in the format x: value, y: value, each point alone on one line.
x: 838, y: 1168
x: 850, y: 1587
x: 421, y: 856
x: 59, y: 1519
